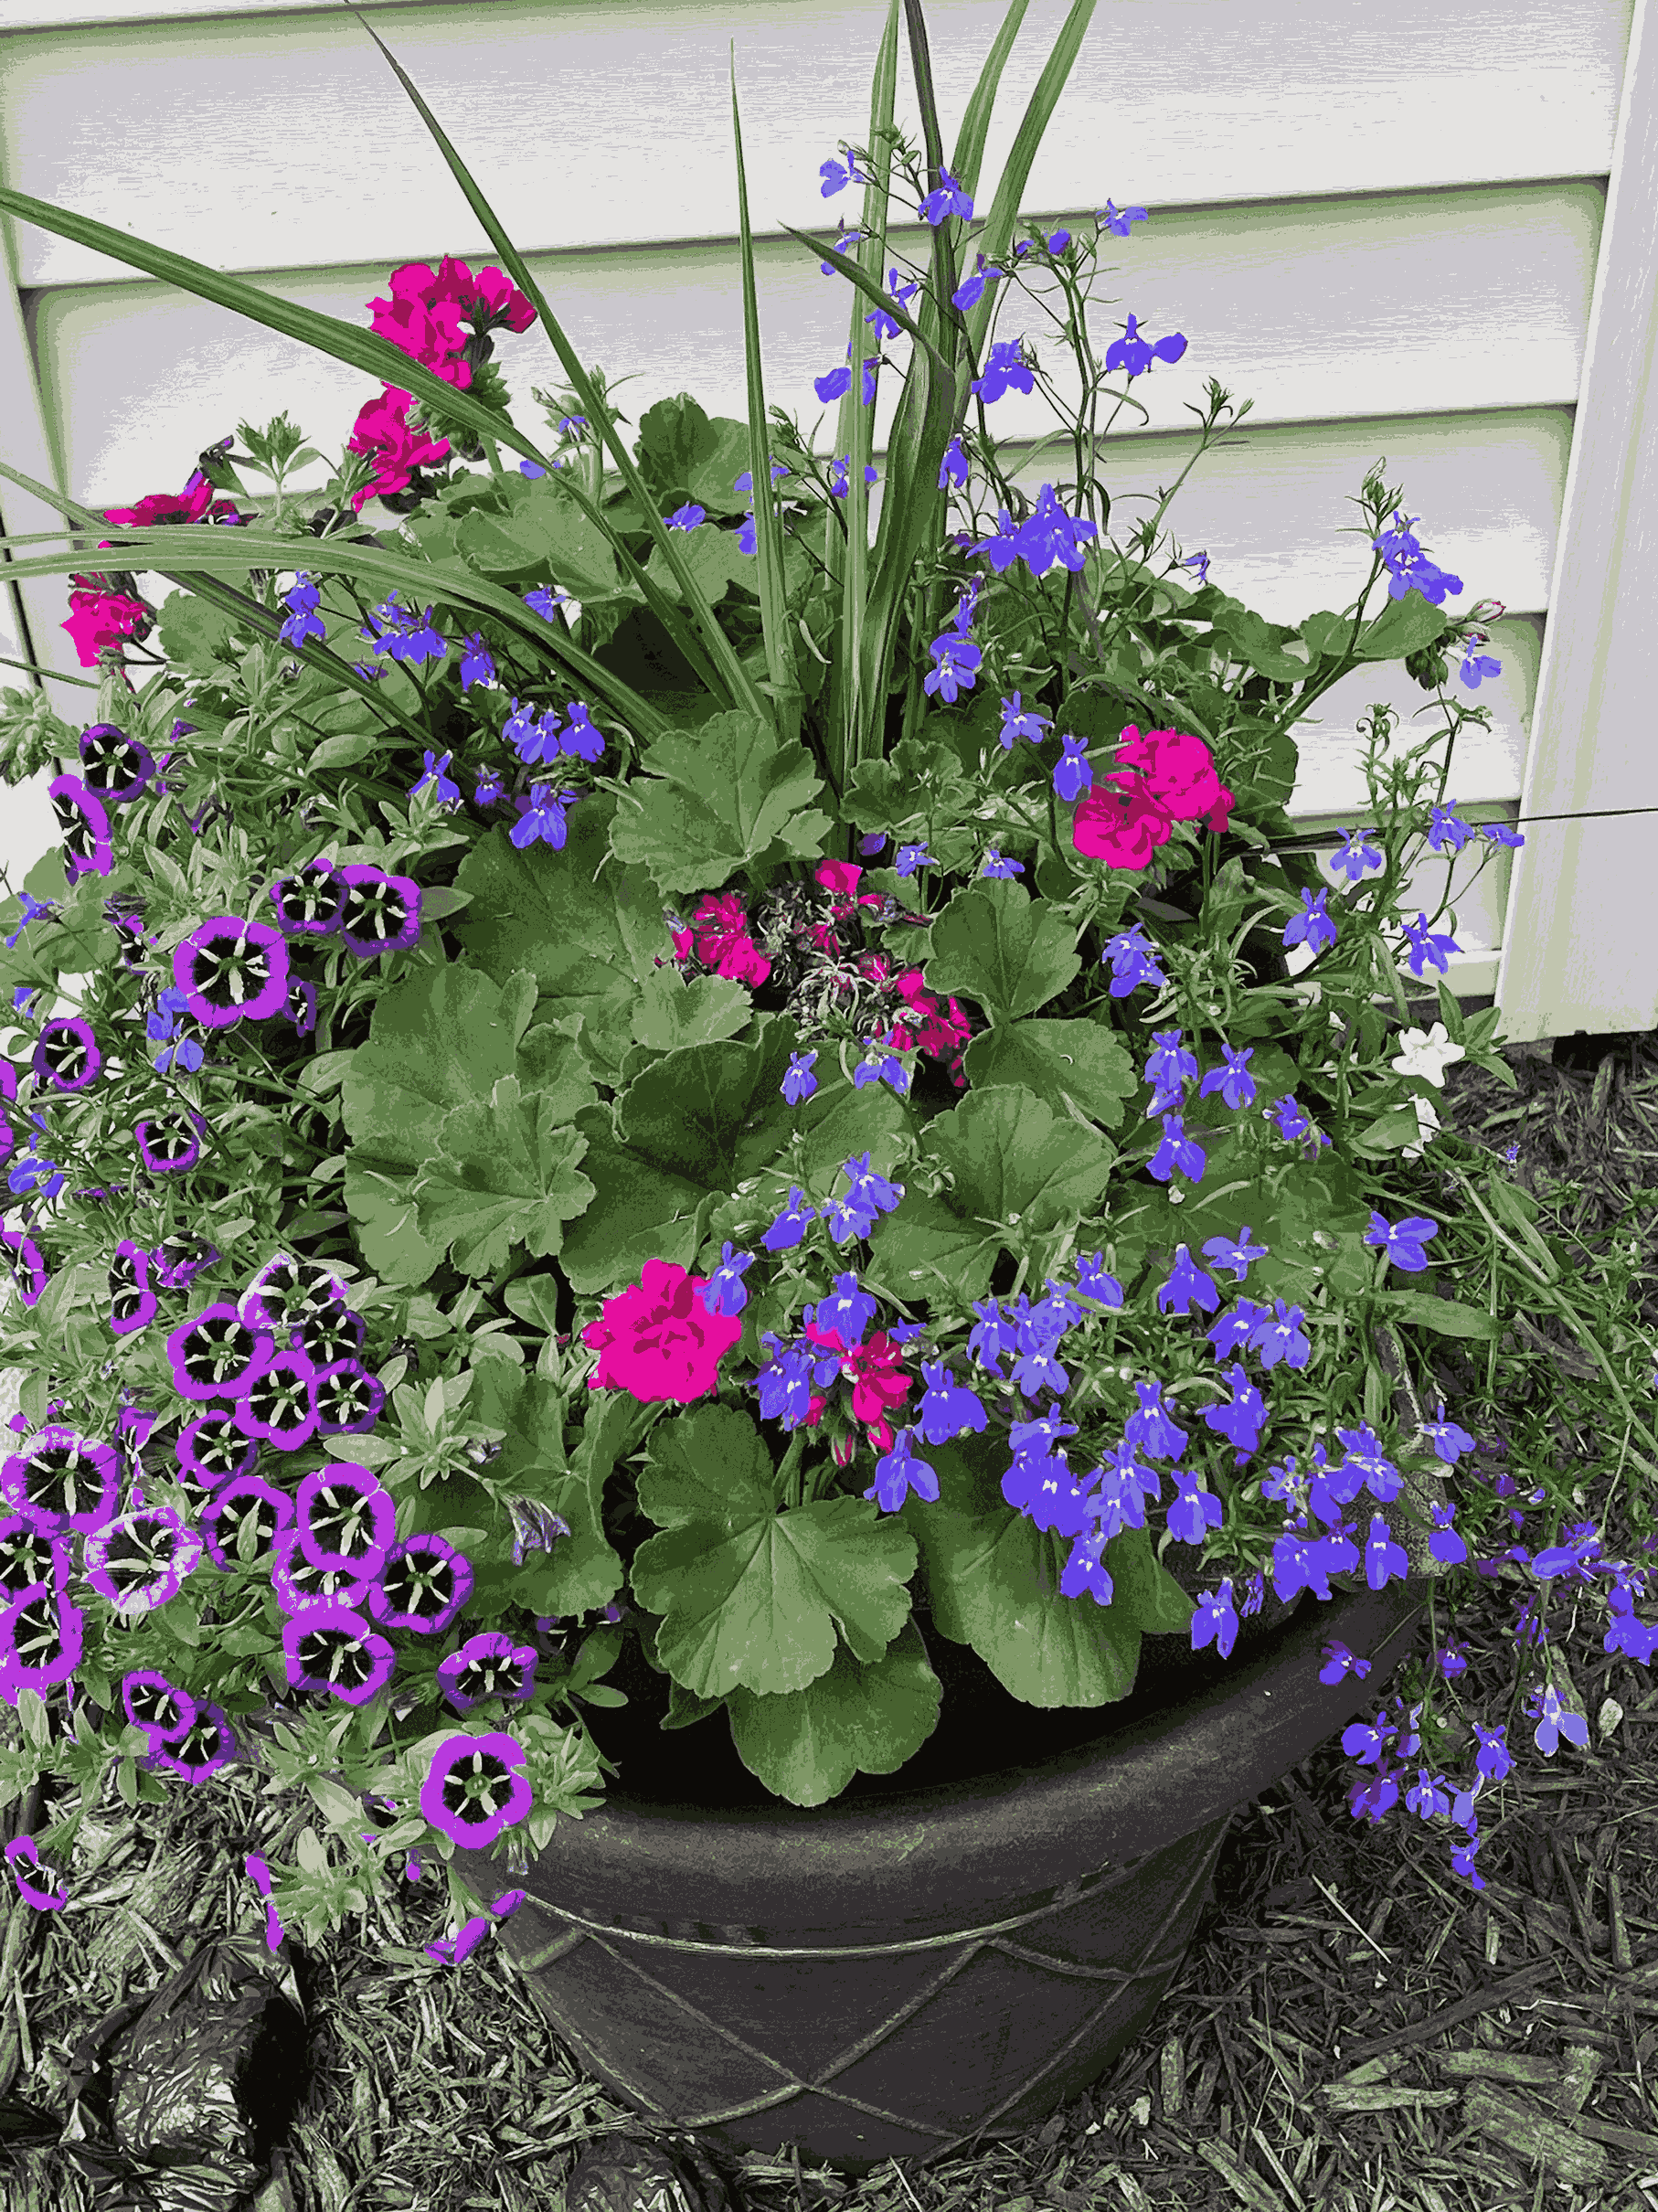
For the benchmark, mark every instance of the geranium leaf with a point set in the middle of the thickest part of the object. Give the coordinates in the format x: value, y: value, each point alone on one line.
x: 439, y: 1040
x: 992, y: 1581
x: 681, y: 449
x: 749, y: 1595
x: 689, y: 1128
x: 1260, y: 643
x: 709, y: 804
x: 195, y: 635
x: 868, y: 1718
x: 547, y: 530
x: 581, y: 1571
x: 1080, y: 1060
x: 586, y: 931
x: 1014, y: 1166
x: 671, y: 1013
x: 709, y: 1468
x: 993, y: 941
x: 505, y: 1174
x: 1404, y: 626
x: 640, y: 1211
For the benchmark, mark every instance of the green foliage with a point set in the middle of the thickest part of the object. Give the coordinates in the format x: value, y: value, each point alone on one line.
x: 1017, y: 1179
x: 923, y: 780
x: 862, y: 1717
x: 199, y: 638
x: 545, y: 531
x: 749, y: 1596
x: 992, y: 1581
x: 727, y: 796
x: 77, y: 939
x: 1013, y: 956
x: 1075, y: 1068
x: 539, y: 1082
x: 582, y: 1571
x: 693, y: 1125
x: 586, y: 934
x: 438, y: 1044
x: 505, y: 1176
x: 31, y: 735
x: 993, y: 941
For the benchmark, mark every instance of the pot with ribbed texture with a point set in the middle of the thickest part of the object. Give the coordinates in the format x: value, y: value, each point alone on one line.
x: 943, y: 1954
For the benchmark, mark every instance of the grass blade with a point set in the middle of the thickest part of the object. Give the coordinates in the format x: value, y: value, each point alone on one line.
x: 372, y: 567
x: 913, y: 468
x: 931, y: 411
x: 975, y: 124
x: 341, y: 342
x: 376, y: 356
x: 1005, y: 208
x: 788, y: 697
x: 928, y: 416
x: 965, y: 168
x: 847, y: 558
x: 228, y: 551
x: 258, y: 618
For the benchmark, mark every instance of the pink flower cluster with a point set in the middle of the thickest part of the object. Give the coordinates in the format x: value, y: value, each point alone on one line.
x: 879, y: 1385
x: 720, y: 937
x: 720, y: 940
x: 423, y: 318
x: 657, y: 1340
x: 1164, y: 777
x: 102, y: 617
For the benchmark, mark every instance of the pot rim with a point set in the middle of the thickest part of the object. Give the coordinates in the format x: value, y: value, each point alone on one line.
x: 664, y: 1870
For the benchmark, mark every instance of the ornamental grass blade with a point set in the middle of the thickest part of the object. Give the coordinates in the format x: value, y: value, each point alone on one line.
x: 1005, y: 208
x: 376, y: 356
x: 258, y: 618
x: 927, y: 423
x: 726, y: 677
x: 254, y: 550
x: 964, y: 168
x: 934, y: 399
x: 975, y: 124
x: 219, y: 551
x: 847, y: 557
x: 788, y: 698
x: 970, y: 333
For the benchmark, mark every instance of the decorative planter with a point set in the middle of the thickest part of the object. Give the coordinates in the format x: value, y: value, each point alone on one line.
x: 949, y: 1951
x: 940, y: 1955
x: 904, y: 1972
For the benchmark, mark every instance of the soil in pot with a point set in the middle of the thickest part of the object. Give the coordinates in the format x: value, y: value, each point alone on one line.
x: 982, y: 1728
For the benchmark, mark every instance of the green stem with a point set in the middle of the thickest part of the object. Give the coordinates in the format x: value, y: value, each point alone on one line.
x: 789, y: 1473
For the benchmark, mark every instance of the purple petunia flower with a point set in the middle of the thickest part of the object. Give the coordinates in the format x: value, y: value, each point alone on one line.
x: 471, y: 1791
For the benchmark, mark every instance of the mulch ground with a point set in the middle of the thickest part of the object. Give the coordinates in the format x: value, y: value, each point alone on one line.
x: 1355, y: 2029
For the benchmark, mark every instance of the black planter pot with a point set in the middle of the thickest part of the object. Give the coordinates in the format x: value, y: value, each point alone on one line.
x: 907, y: 1971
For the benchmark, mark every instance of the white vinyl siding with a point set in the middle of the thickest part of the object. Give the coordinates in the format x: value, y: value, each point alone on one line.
x: 1387, y: 229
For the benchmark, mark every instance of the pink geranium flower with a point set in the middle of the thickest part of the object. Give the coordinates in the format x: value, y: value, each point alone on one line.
x: 657, y: 1340
x: 1162, y: 778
